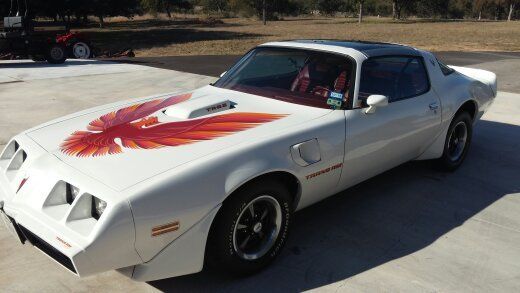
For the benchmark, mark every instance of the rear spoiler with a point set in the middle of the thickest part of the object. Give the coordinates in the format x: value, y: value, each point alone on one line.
x: 484, y: 76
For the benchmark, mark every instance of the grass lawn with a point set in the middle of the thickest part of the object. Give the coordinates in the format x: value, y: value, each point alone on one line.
x: 192, y: 36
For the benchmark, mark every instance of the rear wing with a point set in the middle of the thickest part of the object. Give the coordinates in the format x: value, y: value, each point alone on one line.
x: 484, y: 76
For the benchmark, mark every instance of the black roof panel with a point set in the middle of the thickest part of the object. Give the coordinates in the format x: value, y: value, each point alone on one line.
x: 368, y: 48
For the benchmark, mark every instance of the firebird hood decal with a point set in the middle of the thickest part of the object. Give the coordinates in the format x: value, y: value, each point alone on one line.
x: 137, y: 130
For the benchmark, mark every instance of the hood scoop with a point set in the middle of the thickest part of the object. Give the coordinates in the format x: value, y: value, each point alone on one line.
x: 199, y: 107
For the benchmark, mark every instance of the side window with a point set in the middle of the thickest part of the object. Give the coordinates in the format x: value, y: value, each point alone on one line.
x: 395, y: 77
x: 413, y: 80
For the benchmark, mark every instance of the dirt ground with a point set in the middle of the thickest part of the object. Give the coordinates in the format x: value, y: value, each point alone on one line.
x: 196, y: 36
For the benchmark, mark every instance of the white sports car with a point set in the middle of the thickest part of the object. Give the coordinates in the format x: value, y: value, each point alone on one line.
x: 158, y: 187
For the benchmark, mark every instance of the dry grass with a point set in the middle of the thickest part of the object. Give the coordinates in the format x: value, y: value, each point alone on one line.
x: 192, y: 36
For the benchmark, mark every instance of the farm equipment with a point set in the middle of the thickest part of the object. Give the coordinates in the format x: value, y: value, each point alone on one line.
x: 24, y: 37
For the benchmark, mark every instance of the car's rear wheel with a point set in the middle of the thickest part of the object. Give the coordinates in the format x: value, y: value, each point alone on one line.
x: 457, y: 142
x: 251, y: 228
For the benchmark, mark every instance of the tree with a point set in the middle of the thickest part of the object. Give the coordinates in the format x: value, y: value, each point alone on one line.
x: 478, y: 6
x: 433, y: 8
x: 265, y: 9
x: 330, y: 7
x: 360, y: 16
x: 399, y: 5
x: 264, y: 12
x: 168, y: 6
x: 512, y: 5
x: 104, y: 8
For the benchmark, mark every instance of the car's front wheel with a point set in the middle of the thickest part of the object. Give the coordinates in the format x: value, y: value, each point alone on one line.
x: 251, y: 228
x: 457, y: 142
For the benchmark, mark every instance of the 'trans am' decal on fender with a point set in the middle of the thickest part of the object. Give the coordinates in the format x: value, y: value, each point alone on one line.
x: 324, y: 171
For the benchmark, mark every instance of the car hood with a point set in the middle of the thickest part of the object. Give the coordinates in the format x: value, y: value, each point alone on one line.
x: 126, y: 143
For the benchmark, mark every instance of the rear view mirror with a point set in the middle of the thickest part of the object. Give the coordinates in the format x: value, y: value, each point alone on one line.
x: 375, y: 101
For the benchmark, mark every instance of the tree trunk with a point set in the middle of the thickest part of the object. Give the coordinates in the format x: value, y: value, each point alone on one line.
x: 360, y: 20
x: 168, y: 10
x: 394, y: 9
x: 511, y: 9
x: 264, y: 17
x: 101, y: 21
x: 480, y: 14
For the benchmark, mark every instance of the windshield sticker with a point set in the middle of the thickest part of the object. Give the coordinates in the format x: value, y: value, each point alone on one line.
x: 336, y: 95
x: 334, y: 103
x: 133, y: 128
x: 335, y: 100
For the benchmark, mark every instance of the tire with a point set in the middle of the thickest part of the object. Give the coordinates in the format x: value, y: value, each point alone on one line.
x: 80, y: 50
x: 228, y: 247
x: 56, y: 54
x: 457, y: 143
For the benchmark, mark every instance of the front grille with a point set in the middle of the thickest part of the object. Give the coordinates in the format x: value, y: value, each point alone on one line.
x: 48, y: 249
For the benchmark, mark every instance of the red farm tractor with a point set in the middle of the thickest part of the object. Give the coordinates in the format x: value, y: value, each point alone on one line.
x: 24, y: 37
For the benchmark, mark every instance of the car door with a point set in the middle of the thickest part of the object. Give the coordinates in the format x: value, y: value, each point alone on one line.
x: 397, y: 132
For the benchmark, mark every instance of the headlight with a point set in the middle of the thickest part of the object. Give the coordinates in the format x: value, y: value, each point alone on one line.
x: 98, y: 207
x: 71, y: 192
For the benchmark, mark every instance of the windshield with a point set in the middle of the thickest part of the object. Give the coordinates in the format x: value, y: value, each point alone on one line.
x: 294, y: 75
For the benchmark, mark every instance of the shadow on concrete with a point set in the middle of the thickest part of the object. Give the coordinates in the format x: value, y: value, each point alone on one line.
x: 43, y: 64
x: 212, y: 65
x: 157, y: 37
x: 390, y: 216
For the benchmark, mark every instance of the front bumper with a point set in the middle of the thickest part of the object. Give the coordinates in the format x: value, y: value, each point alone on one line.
x: 24, y: 235
x: 81, y: 244
x: 107, y: 244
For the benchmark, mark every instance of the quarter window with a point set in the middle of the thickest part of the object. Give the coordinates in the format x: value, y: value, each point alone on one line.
x: 446, y: 70
x: 395, y: 77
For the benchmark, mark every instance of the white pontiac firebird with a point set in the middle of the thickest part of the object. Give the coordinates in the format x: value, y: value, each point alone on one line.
x: 158, y: 187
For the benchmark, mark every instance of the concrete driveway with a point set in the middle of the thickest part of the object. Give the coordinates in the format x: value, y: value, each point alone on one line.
x: 410, y: 229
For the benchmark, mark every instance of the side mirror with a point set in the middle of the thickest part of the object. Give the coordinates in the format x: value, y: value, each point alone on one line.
x: 375, y: 101
x: 222, y: 74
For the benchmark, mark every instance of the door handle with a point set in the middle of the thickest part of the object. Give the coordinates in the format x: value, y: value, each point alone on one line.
x: 434, y: 106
